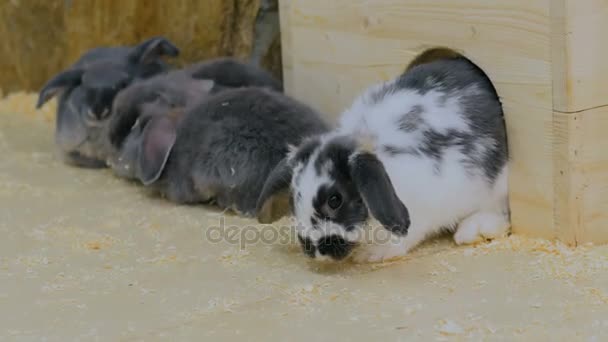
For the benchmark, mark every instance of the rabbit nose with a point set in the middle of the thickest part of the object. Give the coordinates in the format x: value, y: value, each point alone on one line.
x: 98, y: 111
x: 334, y: 246
x: 93, y: 119
x: 104, y: 113
x: 91, y: 114
x: 100, y: 102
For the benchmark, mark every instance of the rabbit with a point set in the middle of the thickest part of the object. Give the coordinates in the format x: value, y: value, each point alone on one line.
x: 88, y: 89
x: 432, y: 54
x: 421, y: 153
x: 183, y: 87
x: 228, y: 72
x: 169, y: 94
x: 219, y: 151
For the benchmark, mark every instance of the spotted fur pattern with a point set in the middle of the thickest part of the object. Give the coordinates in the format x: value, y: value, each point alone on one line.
x: 439, y: 133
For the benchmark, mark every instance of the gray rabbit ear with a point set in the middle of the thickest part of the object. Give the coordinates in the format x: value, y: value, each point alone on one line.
x: 273, y: 202
x: 202, y: 86
x: 152, y: 49
x: 70, y: 130
x: 376, y: 188
x: 157, y: 141
x: 64, y: 80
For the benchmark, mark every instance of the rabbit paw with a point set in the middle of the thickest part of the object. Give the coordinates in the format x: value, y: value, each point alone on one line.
x: 379, y: 253
x: 481, y: 226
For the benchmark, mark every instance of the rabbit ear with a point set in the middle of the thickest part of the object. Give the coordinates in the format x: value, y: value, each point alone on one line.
x: 156, y: 143
x: 377, y: 191
x: 203, y: 86
x: 273, y: 202
x: 67, y: 79
x: 433, y: 54
x: 153, y: 48
x: 70, y: 129
x: 126, y: 110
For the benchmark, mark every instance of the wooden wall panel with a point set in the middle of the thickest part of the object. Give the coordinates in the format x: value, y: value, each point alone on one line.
x: 580, y: 120
x: 581, y: 28
x: 581, y: 171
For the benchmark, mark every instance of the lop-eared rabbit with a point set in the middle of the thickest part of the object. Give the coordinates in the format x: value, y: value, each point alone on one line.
x: 421, y: 153
x: 219, y: 151
x: 182, y: 88
x: 87, y: 90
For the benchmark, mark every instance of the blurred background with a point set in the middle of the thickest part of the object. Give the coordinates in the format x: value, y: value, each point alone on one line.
x: 41, y: 37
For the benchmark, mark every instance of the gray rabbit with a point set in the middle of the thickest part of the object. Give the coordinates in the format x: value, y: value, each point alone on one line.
x: 183, y: 87
x: 221, y: 150
x: 88, y: 88
x: 230, y: 72
x: 168, y: 94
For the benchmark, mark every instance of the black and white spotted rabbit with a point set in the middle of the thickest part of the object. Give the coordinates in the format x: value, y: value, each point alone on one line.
x: 421, y: 153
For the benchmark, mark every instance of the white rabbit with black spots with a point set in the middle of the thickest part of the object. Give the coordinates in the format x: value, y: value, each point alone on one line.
x: 422, y: 153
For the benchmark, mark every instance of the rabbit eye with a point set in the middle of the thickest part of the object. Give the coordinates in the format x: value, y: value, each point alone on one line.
x: 136, y: 124
x: 334, y: 201
x: 139, y: 124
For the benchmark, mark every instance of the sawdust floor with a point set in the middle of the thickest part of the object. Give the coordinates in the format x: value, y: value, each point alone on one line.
x: 86, y: 255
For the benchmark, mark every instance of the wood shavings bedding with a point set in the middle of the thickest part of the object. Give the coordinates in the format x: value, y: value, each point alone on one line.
x: 234, y: 256
x: 449, y: 327
x: 440, y: 290
x: 25, y: 104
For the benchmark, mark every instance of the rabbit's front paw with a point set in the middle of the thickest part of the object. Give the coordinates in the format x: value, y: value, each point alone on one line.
x: 379, y: 252
x: 480, y: 226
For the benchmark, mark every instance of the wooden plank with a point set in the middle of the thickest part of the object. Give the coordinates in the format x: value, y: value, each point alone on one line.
x: 581, y: 52
x: 340, y: 47
x: 531, y: 188
x: 568, y: 184
x: 591, y: 166
x: 581, y: 192
x: 580, y: 120
x: 559, y: 55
